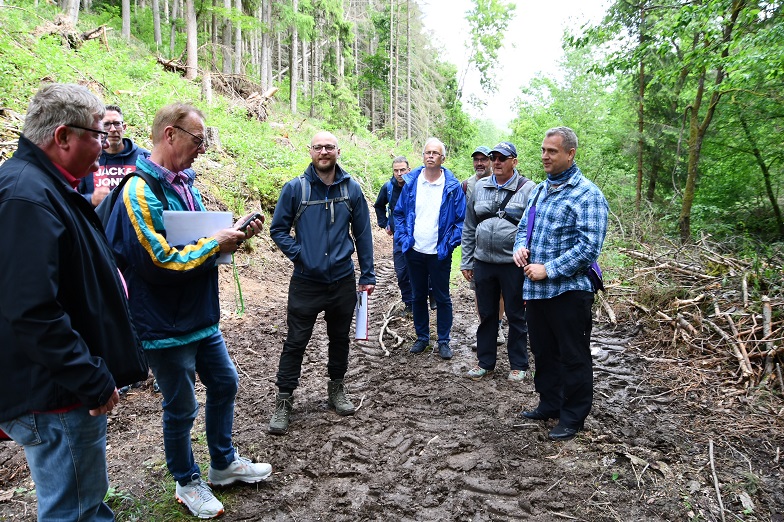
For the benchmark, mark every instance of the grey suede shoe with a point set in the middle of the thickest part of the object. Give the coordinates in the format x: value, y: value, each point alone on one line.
x: 337, y: 399
x: 279, y: 424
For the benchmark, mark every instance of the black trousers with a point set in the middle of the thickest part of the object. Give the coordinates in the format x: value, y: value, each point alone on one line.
x: 559, y: 329
x: 492, y: 280
x: 306, y: 300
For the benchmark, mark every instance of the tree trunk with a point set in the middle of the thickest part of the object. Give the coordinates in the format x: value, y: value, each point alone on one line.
x: 238, y: 58
x: 774, y: 204
x: 313, y: 76
x: 640, y: 116
x: 293, y: 67
x: 192, y: 44
x: 408, y: 70
x: 126, y: 19
x: 265, y: 76
x: 226, y: 40
x: 156, y: 23
x: 173, y: 31
x: 305, y: 67
x: 391, y: 62
x: 71, y: 8
x: 697, y: 130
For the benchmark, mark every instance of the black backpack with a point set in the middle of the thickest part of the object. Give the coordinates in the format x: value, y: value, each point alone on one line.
x: 104, y: 208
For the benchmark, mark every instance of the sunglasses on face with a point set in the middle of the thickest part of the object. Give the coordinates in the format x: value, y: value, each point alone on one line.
x: 498, y: 157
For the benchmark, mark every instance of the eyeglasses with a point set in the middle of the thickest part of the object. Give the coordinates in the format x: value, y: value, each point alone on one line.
x: 499, y: 157
x: 102, y: 134
x: 108, y: 125
x: 199, y: 140
x: 327, y: 148
x: 431, y: 153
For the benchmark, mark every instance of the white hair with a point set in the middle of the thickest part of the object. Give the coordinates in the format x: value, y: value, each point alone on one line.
x: 436, y: 141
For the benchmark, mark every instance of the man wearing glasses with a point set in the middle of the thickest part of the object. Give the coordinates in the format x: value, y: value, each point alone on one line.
x: 384, y: 207
x: 326, y: 209
x: 492, y: 216
x: 428, y: 224
x: 66, y: 337
x: 175, y: 306
x: 117, y: 160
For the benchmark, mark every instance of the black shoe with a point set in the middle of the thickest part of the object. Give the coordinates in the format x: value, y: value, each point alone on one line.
x: 419, y: 346
x: 562, y: 433
x: 538, y: 414
x: 433, y: 304
x: 444, y: 350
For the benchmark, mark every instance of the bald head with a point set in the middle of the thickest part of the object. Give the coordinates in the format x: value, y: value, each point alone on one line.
x: 324, y: 154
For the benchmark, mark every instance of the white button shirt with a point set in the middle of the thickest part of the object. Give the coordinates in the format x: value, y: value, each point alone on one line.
x: 428, y: 207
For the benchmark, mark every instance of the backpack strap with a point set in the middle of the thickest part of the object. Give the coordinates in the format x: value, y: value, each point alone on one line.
x: 501, y: 213
x: 329, y: 203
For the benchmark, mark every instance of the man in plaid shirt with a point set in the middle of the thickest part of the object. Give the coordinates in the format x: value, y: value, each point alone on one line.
x: 570, y: 223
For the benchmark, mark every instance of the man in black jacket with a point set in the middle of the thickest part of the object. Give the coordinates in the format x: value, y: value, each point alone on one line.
x: 66, y: 339
x: 328, y: 212
x: 384, y: 207
x: 116, y: 161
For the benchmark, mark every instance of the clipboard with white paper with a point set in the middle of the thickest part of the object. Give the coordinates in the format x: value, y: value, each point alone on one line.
x: 361, y: 314
x: 185, y: 227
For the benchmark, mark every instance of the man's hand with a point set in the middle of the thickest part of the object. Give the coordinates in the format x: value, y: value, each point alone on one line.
x: 113, y: 401
x: 535, y: 272
x: 520, y: 256
x: 99, y: 194
x: 369, y: 288
x: 253, y: 228
x: 229, y: 239
x: 468, y: 275
x: 389, y: 232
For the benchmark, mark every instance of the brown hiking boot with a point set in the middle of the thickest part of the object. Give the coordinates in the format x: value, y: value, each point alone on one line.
x: 337, y: 399
x: 279, y: 424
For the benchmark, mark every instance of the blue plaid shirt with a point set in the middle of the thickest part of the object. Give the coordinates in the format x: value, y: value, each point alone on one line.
x: 568, y: 233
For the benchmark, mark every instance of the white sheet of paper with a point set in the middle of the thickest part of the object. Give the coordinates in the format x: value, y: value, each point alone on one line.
x: 361, y: 313
x: 184, y: 227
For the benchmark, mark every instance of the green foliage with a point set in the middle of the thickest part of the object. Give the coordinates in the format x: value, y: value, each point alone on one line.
x: 488, y: 21
x: 455, y: 128
x: 337, y: 106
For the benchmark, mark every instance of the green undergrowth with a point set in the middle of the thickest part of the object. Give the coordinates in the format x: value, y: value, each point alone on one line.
x: 254, y: 158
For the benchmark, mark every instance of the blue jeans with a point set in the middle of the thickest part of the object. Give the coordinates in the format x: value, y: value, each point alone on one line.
x: 420, y: 268
x: 401, y: 271
x: 175, y: 370
x: 66, y: 453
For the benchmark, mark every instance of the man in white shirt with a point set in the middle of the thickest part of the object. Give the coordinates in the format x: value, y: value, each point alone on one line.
x: 428, y: 226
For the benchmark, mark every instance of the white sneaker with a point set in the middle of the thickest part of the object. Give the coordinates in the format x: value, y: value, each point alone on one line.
x: 500, y: 339
x: 242, y: 470
x: 517, y: 375
x: 197, y: 496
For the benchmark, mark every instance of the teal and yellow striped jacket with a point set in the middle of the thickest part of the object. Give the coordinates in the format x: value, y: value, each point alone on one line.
x: 173, y: 289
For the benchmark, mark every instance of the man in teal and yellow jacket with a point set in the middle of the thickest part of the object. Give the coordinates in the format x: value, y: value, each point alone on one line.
x: 173, y: 293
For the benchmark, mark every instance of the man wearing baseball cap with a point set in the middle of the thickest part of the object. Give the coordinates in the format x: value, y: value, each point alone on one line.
x: 483, y: 168
x: 492, y: 217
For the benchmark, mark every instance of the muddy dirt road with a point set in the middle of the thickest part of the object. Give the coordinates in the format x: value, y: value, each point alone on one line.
x: 662, y: 442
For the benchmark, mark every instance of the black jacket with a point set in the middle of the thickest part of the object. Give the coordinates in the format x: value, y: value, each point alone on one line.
x: 385, y: 204
x: 65, y: 329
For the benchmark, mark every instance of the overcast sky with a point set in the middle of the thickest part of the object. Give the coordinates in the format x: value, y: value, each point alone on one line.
x: 532, y: 45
